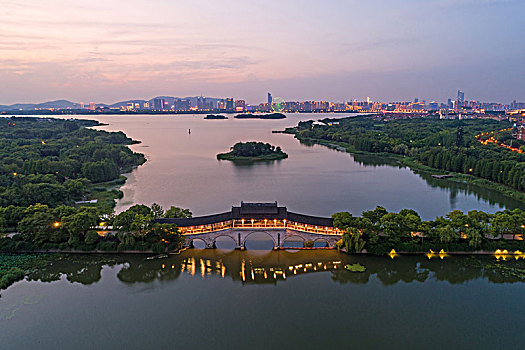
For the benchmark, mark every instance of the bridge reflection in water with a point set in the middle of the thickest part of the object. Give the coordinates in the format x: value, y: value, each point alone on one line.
x: 241, y: 222
x: 249, y: 270
x: 273, y: 267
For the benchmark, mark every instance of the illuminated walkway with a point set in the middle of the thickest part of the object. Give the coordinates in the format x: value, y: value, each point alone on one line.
x: 492, y: 139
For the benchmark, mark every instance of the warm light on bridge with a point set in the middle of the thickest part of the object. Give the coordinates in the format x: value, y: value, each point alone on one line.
x: 260, y: 224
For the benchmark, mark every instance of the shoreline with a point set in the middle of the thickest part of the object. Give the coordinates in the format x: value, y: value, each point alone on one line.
x: 364, y: 252
x: 230, y: 157
x: 420, y: 168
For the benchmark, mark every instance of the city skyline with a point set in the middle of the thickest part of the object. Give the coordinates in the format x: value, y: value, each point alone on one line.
x: 333, y: 51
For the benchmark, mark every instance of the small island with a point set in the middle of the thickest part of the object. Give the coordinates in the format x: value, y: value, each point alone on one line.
x: 253, y: 151
x: 215, y: 116
x: 260, y: 116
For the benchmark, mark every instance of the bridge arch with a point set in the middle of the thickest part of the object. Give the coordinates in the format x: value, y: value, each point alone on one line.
x: 228, y: 238
x: 200, y: 241
x: 289, y: 238
x: 258, y: 233
x: 322, y: 240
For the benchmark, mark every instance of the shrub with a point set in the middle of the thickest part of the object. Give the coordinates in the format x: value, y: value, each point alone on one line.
x: 106, y: 246
x: 142, y: 246
x: 14, y: 274
x: 123, y: 246
x: 158, y: 248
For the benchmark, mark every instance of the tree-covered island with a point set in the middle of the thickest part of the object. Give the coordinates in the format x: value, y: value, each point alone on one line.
x: 253, y: 151
x: 260, y: 116
x: 215, y: 116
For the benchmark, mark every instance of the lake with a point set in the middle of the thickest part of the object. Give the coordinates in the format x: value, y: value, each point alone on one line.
x: 217, y: 299
x: 182, y: 170
x: 263, y: 299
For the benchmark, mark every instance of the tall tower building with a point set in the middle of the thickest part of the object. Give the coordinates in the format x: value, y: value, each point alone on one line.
x: 229, y: 104
x: 461, y: 96
x: 270, y: 99
x: 158, y: 104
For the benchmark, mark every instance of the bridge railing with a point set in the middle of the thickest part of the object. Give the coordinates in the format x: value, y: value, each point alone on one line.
x: 323, y: 230
x: 195, y: 230
x: 260, y: 224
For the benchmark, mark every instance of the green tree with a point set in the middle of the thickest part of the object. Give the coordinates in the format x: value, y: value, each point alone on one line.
x: 343, y: 220
x: 175, y: 212
x: 92, y: 237
x: 78, y: 224
x: 157, y: 211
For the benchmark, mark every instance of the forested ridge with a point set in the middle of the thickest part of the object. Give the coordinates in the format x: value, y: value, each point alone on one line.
x: 448, y: 145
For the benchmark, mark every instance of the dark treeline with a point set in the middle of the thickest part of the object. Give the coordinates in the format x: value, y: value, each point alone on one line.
x: 53, y: 161
x: 254, y: 149
x: 40, y: 227
x: 379, y: 231
x: 448, y: 145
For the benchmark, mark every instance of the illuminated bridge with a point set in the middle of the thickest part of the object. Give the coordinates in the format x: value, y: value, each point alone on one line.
x: 241, y: 222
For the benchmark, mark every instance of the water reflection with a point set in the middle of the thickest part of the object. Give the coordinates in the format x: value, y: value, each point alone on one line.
x: 277, y: 266
x: 456, y: 189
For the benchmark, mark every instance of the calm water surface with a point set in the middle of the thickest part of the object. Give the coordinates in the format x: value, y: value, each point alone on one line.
x: 216, y: 299
x: 182, y: 170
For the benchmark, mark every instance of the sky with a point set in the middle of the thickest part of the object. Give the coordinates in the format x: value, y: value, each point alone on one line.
x: 337, y: 50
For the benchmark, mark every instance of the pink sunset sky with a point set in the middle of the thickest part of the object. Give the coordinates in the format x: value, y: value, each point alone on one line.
x: 112, y: 50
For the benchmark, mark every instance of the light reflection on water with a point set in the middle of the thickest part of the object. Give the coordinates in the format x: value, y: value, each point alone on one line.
x: 232, y: 295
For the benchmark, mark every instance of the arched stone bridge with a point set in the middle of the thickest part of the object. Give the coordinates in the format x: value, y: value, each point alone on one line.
x: 278, y: 236
x: 241, y: 222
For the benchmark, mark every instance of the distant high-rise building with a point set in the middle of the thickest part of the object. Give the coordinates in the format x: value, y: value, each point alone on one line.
x: 181, y: 105
x: 517, y: 105
x: 229, y: 104
x: 461, y: 96
x: 270, y: 99
x: 158, y: 104
x: 433, y: 106
x: 449, y: 103
x: 92, y: 105
x: 240, y: 105
x: 82, y: 105
x: 416, y: 100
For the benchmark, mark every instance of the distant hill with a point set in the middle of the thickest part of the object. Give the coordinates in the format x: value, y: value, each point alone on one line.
x: 125, y: 103
x: 50, y: 104
x: 58, y: 104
